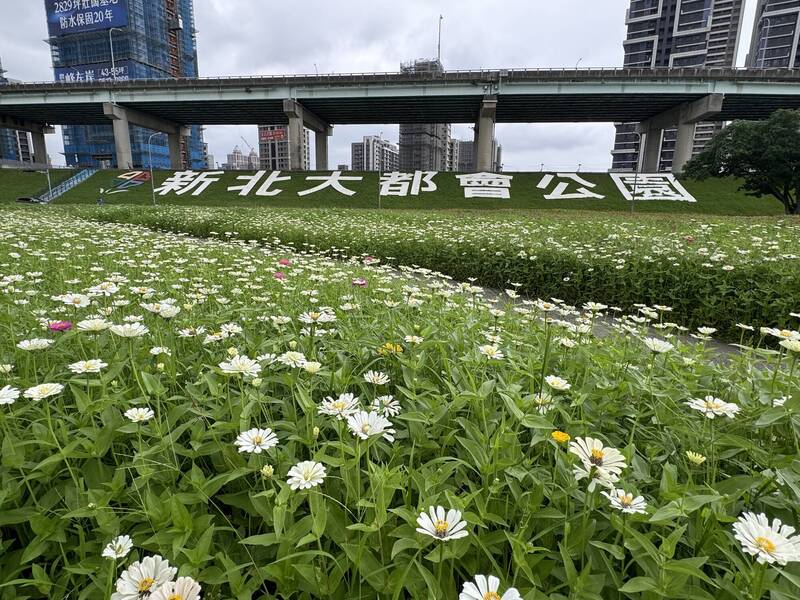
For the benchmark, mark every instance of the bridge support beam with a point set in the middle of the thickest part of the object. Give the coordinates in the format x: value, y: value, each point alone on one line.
x: 650, y: 150
x: 485, y: 134
x: 122, y: 117
x: 685, y: 117
x: 299, y: 119
x: 40, y: 145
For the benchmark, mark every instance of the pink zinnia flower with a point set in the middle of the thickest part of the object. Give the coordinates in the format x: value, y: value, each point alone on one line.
x: 279, y: 275
x: 360, y: 282
x: 60, y: 325
x: 285, y: 262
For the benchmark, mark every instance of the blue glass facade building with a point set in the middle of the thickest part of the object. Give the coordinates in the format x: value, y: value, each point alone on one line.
x: 150, y: 39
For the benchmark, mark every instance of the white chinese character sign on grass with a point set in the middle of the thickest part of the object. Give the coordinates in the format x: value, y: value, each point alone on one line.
x: 486, y: 185
x: 404, y: 184
x: 330, y: 181
x: 565, y: 181
x: 252, y: 181
x: 183, y: 182
x: 651, y: 186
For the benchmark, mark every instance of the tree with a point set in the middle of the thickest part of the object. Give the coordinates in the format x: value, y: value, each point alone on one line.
x: 765, y: 154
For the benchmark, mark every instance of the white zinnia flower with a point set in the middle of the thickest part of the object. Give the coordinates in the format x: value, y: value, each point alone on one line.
x: 625, y: 502
x: 118, y: 547
x: 8, y: 395
x: 341, y: 408
x: 485, y: 588
x: 305, y: 475
x: 93, y: 325
x: 768, y: 543
x: 714, y: 407
x: 557, y: 383
x: 292, y: 359
x: 45, y: 390
x: 600, y: 464
x: 185, y: 588
x: 139, y: 415
x: 376, y: 377
x: 657, y: 345
x: 93, y: 365
x: 34, y: 344
x: 387, y: 406
x: 129, y: 330
x: 143, y: 578
x: 442, y: 525
x: 491, y: 352
x: 366, y: 424
x: 255, y: 440
x: 241, y: 365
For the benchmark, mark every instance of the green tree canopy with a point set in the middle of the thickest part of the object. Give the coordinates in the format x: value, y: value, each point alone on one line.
x: 765, y: 154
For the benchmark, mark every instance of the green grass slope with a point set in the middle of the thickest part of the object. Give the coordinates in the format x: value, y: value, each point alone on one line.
x: 17, y: 182
x: 718, y: 196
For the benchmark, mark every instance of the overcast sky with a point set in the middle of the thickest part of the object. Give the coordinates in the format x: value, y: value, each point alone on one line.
x: 262, y: 37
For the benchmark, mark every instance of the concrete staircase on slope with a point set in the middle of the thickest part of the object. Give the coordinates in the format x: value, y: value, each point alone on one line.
x: 49, y: 195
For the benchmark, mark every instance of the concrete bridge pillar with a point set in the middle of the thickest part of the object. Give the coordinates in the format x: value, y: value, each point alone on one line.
x: 299, y: 118
x: 39, y: 148
x: 122, y: 117
x: 321, y: 143
x: 684, y: 145
x: 485, y: 134
x: 650, y: 150
x: 122, y: 141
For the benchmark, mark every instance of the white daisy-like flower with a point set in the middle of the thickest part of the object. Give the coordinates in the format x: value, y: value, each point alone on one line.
x: 791, y: 345
x: 557, y: 383
x: 34, y: 344
x: 142, y: 579
x: 706, y: 330
x: 376, y: 377
x: 129, y: 330
x: 159, y: 350
x: 312, y: 317
x: 544, y: 402
x: 184, y: 588
x: 6, y: 368
x: 93, y: 325
x: 442, y: 525
x: 341, y: 407
x: 599, y: 464
x: 413, y: 339
x: 312, y: 367
x: 118, y: 547
x: 491, y: 352
x: 256, y: 440
x: 292, y: 359
x: 94, y: 365
x: 44, y: 390
x: 658, y: 346
x: 305, y: 475
x: 485, y: 588
x: 241, y: 365
x: 713, y: 407
x: 8, y: 395
x: 74, y: 300
x: 387, y: 406
x: 769, y: 543
x: 139, y: 415
x: 625, y: 502
x: 367, y: 424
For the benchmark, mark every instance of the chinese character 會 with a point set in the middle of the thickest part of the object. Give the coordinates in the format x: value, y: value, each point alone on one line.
x: 399, y: 184
x: 185, y: 181
x: 253, y: 180
x: 582, y: 192
x: 651, y: 186
x: 331, y: 180
x: 486, y: 185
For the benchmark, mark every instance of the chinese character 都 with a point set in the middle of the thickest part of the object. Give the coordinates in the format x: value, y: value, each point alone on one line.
x: 253, y: 180
x: 581, y: 193
x: 486, y: 185
x: 333, y: 180
x: 651, y: 186
x: 399, y: 184
x: 186, y: 181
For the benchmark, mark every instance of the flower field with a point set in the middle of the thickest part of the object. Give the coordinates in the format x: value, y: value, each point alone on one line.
x: 185, y: 417
x: 712, y: 272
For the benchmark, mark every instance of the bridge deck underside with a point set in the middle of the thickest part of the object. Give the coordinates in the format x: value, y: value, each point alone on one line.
x: 511, y: 108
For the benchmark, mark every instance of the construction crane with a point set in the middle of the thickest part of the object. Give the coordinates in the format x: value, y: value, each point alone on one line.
x: 248, y: 143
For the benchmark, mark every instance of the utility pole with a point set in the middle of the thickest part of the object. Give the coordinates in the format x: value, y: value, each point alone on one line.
x: 439, y: 51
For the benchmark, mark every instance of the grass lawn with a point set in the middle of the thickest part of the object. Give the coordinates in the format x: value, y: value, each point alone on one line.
x: 15, y: 182
x: 720, y: 196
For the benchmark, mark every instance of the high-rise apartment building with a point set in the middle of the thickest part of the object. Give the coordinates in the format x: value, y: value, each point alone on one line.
x: 424, y: 146
x: 373, y: 153
x: 465, y: 155
x: 273, y: 148
x: 239, y: 161
x: 102, y: 40
x: 14, y: 145
x: 776, y: 35
x: 676, y: 33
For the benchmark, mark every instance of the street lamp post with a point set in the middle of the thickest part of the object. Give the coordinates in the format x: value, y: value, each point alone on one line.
x: 577, y: 63
x: 150, y: 151
x: 111, y: 45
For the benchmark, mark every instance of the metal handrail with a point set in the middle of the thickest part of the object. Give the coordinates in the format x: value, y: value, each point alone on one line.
x: 48, y: 195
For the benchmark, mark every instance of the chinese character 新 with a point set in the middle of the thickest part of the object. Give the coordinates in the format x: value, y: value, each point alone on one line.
x: 399, y: 184
x: 186, y: 181
x: 486, y: 185
x: 332, y: 181
x: 581, y: 193
x: 264, y: 190
x: 651, y: 186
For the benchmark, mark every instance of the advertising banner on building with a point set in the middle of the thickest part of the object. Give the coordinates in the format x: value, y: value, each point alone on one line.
x: 272, y: 135
x: 96, y: 72
x: 77, y: 16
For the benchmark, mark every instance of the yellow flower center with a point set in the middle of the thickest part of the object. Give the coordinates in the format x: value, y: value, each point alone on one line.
x: 713, y: 404
x: 491, y: 596
x: 597, y: 457
x: 626, y: 500
x: 314, y: 315
x: 339, y: 405
x: 365, y: 428
x: 257, y: 440
x: 765, y: 545
x: 175, y: 597
x: 441, y: 528
x: 145, y: 584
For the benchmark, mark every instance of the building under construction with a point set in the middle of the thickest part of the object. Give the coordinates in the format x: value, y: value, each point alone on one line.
x: 424, y: 146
